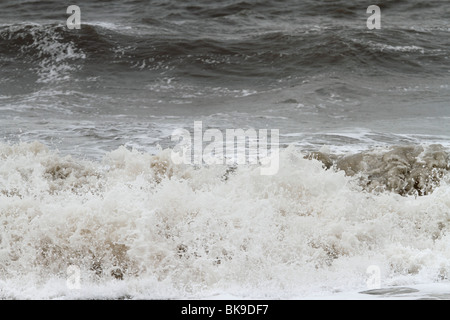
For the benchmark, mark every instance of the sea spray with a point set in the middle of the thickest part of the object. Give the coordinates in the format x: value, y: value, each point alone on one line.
x: 144, y: 227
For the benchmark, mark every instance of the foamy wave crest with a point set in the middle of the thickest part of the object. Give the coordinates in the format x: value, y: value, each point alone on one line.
x: 48, y: 46
x: 138, y: 226
x: 406, y: 170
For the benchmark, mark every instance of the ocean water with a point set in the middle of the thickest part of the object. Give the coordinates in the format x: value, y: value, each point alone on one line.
x: 92, y: 205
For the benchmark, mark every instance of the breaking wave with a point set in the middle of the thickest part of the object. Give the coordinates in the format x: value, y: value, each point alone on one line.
x: 55, y: 54
x: 143, y: 227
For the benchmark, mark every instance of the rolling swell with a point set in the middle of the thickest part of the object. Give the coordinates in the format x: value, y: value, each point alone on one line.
x: 55, y: 53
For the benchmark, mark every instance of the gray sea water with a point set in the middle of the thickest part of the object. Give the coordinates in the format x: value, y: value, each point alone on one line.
x: 363, y: 117
x: 137, y: 70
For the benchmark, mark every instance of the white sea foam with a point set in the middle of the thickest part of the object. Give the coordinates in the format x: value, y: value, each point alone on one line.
x: 138, y: 226
x: 54, y: 55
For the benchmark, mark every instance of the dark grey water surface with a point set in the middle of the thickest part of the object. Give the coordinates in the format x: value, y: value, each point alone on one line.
x: 136, y: 70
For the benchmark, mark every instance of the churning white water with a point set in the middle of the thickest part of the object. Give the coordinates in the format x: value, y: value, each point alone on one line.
x: 137, y: 226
